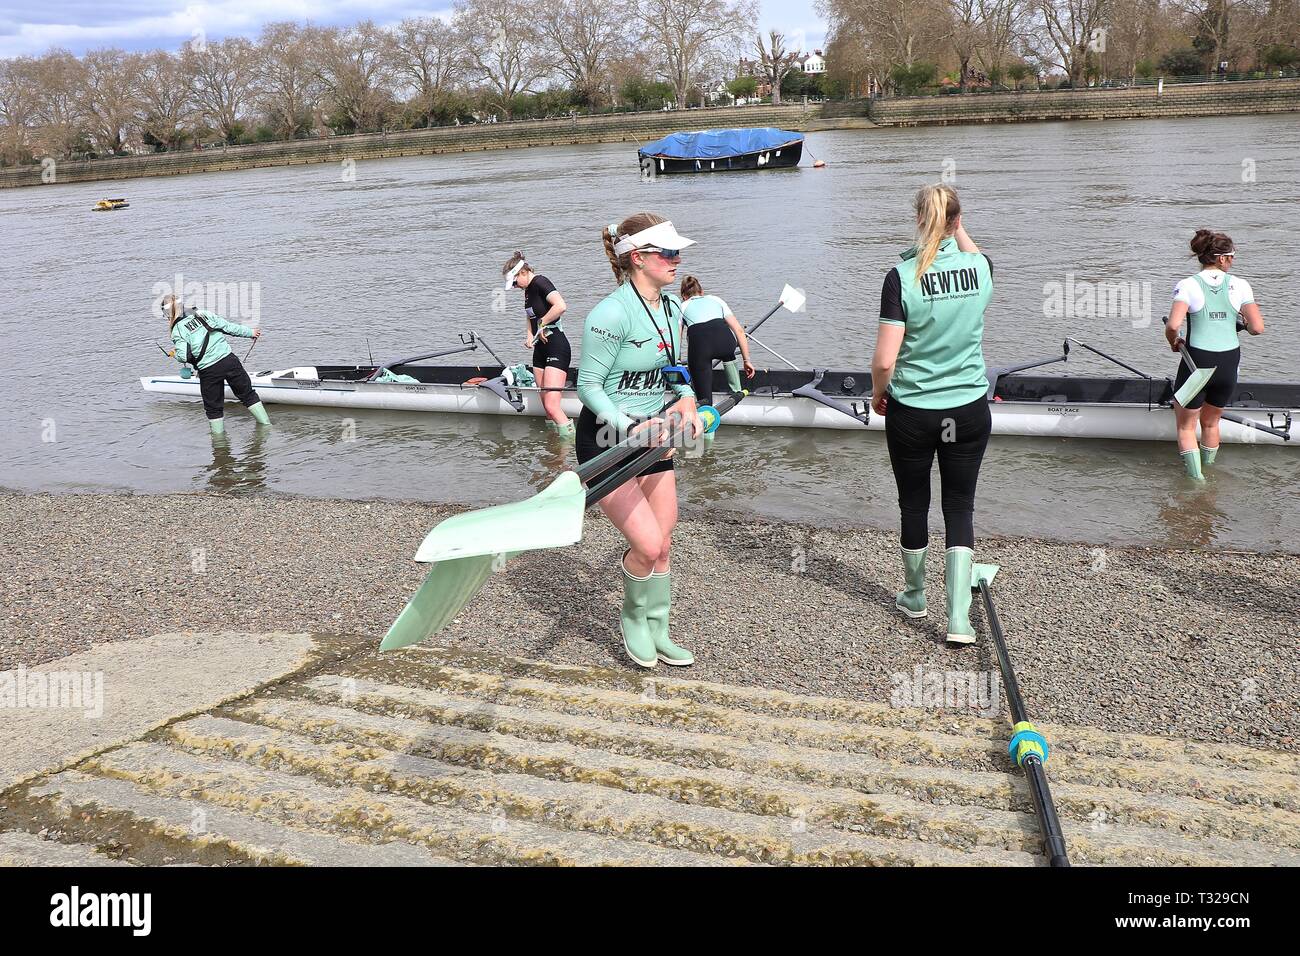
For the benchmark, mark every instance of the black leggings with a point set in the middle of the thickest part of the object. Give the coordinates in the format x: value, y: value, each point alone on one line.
x: 959, y: 436
x: 212, y: 385
x: 708, y: 342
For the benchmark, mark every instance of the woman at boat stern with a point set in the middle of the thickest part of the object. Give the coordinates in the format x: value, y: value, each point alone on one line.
x: 544, y: 309
x: 629, y: 378
x: 199, y: 340
x: 712, y: 335
x: 1213, y: 305
x: 928, y: 380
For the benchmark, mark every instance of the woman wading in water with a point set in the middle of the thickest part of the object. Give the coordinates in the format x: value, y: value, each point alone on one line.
x: 1212, y: 304
x: 630, y: 367
x: 929, y: 382
x: 199, y: 340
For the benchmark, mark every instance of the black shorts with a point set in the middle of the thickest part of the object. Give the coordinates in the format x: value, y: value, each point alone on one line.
x: 591, y: 438
x: 555, y: 352
x: 1223, y: 383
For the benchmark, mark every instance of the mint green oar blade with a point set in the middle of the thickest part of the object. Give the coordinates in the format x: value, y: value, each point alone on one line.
x: 1195, y: 381
x: 466, y: 548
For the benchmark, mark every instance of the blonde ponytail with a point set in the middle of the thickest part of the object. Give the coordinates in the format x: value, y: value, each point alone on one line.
x: 937, y: 209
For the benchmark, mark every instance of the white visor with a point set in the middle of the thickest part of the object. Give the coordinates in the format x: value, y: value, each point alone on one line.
x: 514, y: 274
x: 662, y: 235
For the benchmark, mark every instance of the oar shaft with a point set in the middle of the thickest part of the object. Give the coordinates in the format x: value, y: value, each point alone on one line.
x: 1109, y: 358
x: 1004, y: 659
x: 775, y: 309
x: 1247, y: 423
x: 776, y: 353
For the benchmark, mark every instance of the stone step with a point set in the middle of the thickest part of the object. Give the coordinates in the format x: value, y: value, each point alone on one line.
x: 563, y: 800
x: 216, y: 833
x: 18, y: 848
x: 291, y: 798
x: 860, y: 772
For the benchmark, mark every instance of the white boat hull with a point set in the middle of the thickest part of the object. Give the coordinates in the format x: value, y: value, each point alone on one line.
x: 1136, y: 422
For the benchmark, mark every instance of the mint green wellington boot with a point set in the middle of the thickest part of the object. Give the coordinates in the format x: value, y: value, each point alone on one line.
x: 258, y: 411
x: 656, y: 614
x: 217, y: 426
x: 637, y: 641
x: 567, y: 430
x: 1208, y: 455
x: 957, y: 573
x: 733, y: 375
x: 911, y: 600
x: 1192, y: 463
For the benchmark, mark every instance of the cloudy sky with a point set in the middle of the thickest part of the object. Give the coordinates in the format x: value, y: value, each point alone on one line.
x: 80, y: 25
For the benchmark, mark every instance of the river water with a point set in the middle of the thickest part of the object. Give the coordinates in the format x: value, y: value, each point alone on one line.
x: 397, y: 256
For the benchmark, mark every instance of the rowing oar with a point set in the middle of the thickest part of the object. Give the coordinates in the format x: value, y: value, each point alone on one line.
x: 250, y: 349
x: 1226, y: 415
x: 1028, y: 747
x: 465, y: 549
x: 792, y: 300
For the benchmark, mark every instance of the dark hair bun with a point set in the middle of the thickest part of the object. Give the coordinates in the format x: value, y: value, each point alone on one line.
x: 1208, y: 245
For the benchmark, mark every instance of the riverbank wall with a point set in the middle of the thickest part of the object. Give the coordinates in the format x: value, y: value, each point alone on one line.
x: 611, y: 128
x: 1148, y: 102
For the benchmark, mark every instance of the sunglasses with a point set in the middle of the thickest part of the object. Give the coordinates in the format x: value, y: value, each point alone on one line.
x: 664, y: 253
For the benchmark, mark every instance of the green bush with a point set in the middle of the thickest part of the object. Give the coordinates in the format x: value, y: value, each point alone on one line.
x: 1182, y: 62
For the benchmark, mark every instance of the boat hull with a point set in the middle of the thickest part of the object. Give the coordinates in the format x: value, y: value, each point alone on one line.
x: 1048, y: 415
x: 780, y: 157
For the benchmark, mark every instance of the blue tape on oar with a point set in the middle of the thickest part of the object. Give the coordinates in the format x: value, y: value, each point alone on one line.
x: 1026, y: 737
x: 710, y: 418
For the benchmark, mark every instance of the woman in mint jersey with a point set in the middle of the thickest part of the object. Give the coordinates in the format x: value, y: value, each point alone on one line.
x: 713, y: 334
x: 929, y: 382
x: 1212, y: 303
x: 629, y: 338
x: 199, y: 340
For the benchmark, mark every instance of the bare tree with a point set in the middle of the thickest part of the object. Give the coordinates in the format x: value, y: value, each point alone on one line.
x: 1001, y: 25
x: 60, y: 114
x: 583, y: 37
x: 503, y: 47
x: 111, y: 97
x: 356, y: 71
x: 428, y: 57
x: 1066, y: 32
x: 690, y: 34
x: 964, y: 34
x: 19, y: 108
x: 288, y: 88
x: 775, y: 61
x: 166, y: 106
x: 223, y: 79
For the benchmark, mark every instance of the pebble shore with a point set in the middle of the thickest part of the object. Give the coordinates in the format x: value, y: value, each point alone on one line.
x: 1187, y: 644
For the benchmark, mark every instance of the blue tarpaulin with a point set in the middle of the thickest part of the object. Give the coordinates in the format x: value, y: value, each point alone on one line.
x: 719, y: 143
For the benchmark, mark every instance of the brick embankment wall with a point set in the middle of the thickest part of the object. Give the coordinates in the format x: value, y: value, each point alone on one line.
x: 1188, y: 99
x: 613, y: 128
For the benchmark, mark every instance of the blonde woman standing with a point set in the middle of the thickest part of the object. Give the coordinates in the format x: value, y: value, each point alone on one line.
x: 630, y: 367
x: 929, y: 381
x: 199, y: 340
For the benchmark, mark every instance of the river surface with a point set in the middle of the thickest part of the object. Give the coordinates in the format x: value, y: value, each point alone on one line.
x: 398, y: 256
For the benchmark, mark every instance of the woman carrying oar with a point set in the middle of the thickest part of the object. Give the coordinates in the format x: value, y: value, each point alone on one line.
x: 1212, y: 303
x: 928, y: 374
x: 631, y: 346
x: 199, y: 340
x: 544, y: 307
x: 712, y: 335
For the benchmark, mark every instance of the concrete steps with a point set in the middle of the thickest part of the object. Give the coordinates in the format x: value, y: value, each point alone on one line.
x: 438, y: 756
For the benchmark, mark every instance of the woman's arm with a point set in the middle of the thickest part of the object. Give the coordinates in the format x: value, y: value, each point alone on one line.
x: 741, y: 338
x: 1254, y: 320
x: 889, y: 339
x: 602, y: 339
x: 1177, y: 314
x: 230, y: 328
x: 557, y: 309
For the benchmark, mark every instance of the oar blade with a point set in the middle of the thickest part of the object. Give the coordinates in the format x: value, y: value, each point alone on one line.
x: 982, y: 573
x: 552, y: 518
x: 465, y: 549
x: 1192, y: 387
x: 793, y: 299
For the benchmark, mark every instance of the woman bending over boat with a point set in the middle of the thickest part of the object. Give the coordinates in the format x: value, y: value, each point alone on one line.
x: 928, y: 379
x: 712, y: 335
x: 631, y: 346
x: 199, y: 340
x: 544, y: 307
x: 1213, y: 304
